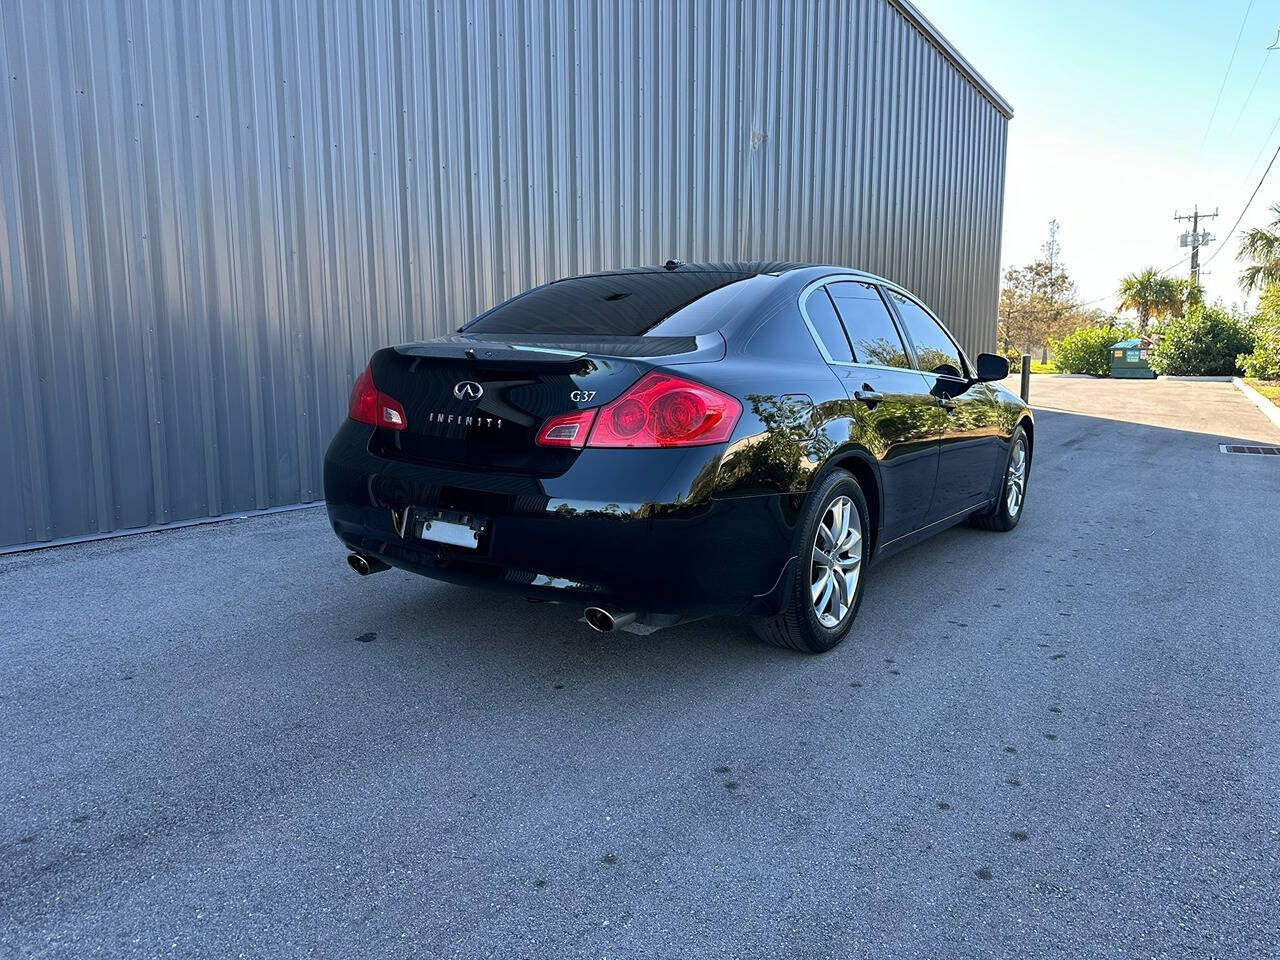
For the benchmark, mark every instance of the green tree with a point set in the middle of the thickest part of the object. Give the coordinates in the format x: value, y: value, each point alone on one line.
x: 1036, y: 304
x: 1262, y: 246
x: 1151, y: 295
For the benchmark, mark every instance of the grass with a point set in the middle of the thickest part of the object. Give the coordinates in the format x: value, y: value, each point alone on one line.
x: 1268, y: 388
x: 1038, y: 367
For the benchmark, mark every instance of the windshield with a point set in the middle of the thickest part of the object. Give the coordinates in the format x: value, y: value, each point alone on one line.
x: 642, y: 303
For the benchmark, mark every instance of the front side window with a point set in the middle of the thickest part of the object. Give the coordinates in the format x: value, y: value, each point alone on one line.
x: 871, y: 330
x: 935, y: 349
x: 822, y: 315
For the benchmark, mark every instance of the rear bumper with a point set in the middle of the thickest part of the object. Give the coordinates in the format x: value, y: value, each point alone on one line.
x: 633, y: 529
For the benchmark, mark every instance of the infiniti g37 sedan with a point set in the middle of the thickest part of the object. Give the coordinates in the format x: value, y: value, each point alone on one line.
x: 679, y: 441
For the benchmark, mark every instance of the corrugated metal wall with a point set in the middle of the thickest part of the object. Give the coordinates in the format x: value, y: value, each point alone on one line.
x: 211, y: 213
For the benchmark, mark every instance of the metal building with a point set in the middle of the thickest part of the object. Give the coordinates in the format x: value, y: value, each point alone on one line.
x: 212, y: 213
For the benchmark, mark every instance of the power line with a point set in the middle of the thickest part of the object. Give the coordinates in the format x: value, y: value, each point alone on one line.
x: 1249, y: 203
x: 1089, y: 303
x: 1261, y: 150
x: 1223, y: 85
x: 1266, y: 57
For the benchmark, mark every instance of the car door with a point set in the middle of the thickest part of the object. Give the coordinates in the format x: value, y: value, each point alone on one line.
x: 893, y: 416
x: 970, y: 424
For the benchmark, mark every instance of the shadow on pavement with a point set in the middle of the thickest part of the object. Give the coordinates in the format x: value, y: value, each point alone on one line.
x: 1070, y: 724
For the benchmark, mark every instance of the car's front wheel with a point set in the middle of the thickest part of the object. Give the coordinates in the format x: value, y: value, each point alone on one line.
x: 825, y: 589
x: 1005, y: 513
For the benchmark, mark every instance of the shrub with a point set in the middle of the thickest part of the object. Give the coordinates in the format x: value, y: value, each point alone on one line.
x: 1264, y: 362
x: 1014, y: 357
x: 1204, y: 343
x: 1088, y: 350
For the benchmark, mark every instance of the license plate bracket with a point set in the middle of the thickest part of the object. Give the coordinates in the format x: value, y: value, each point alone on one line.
x: 452, y: 527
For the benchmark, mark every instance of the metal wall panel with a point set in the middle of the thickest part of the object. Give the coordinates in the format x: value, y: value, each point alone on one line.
x: 212, y: 213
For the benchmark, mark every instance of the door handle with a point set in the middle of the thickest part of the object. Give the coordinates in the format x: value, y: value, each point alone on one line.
x: 867, y: 395
x: 946, y: 403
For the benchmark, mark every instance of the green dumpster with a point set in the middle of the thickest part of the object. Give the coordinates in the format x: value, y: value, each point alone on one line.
x: 1129, y: 359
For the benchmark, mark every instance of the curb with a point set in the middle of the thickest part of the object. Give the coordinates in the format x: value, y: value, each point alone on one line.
x: 19, y: 548
x: 1262, y: 403
x: 1204, y: 379
x: 1061, y: 376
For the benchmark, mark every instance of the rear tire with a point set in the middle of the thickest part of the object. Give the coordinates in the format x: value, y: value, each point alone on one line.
x: 833, y: 546
x: 1007, y: 511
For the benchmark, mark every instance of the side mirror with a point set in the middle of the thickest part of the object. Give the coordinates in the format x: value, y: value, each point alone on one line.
x: 992, y: 366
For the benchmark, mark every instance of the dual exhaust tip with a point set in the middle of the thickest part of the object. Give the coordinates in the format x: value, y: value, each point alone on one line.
x: 364, y: 565
x: 598, y: 618
x: 606, y: 621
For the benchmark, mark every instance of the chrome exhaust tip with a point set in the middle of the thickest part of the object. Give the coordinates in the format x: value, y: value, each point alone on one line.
x: 365, y: 565
x: 606, y: 621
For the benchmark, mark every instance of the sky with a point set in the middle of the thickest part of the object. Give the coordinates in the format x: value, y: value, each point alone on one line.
x: 1111, y: 133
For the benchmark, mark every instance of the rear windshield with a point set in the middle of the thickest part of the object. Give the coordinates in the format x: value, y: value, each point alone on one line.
x: 643, y: 304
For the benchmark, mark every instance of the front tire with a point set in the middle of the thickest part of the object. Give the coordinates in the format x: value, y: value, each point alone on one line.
x: 1007, y: 511
x: 833, y: 547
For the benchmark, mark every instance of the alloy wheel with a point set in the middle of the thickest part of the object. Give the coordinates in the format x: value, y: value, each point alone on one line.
x: 1015, y: 480
x: 836, y: 563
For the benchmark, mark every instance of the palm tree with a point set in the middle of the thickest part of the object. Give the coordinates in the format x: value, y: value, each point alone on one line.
x: 1152, y: 295
x: 1190, y: 294
x: 1263, y: 248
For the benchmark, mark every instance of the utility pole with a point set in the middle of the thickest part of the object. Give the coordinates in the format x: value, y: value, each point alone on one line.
x: 1195, y: 239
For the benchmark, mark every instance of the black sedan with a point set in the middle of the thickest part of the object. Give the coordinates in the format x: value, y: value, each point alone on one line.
x: 679, y: 441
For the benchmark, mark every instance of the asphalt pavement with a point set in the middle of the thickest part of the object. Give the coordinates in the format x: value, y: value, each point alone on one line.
x: 1057, y: 742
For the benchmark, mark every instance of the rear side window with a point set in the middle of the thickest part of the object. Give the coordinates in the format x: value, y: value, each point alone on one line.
x: 871, y: 330
x: 676, y: 303
x: 935, y: 349
x: 822, y: 316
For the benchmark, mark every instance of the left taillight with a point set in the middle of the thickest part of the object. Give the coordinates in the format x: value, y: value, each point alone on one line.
x: 567, y: 430
x: 370, y: 405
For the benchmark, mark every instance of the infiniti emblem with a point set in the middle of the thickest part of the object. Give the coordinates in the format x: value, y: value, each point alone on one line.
x: 468, y: 390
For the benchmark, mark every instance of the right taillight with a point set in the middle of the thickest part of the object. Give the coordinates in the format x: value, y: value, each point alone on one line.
x: 370, y: 405
x: 663, y: 410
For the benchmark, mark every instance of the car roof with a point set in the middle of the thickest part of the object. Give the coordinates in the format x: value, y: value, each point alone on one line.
x: 682, y: 299
x: 749, y: 268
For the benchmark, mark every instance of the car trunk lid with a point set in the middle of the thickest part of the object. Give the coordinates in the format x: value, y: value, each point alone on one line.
x: 479, y: 403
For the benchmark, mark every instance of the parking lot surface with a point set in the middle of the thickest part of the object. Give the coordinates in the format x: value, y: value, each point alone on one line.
x: 1203, y: 406
x: 219, y: 742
